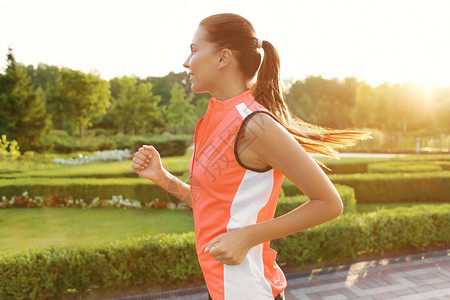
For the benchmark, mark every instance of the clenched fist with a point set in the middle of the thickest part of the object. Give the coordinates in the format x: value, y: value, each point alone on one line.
x: 147, y: 163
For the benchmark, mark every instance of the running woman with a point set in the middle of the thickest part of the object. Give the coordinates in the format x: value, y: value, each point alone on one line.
x: 245, y: 144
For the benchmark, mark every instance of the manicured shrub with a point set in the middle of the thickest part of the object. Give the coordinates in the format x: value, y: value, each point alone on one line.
x: 84, y: 188
x: 402, y: 167
x: 391, y: 187
x: 171, y: 258
x: 355, y: 234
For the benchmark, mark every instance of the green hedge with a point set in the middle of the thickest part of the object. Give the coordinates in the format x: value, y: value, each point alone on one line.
x: 171, y: 258
x: 87, y: 189
x: 60, y: 142
x: 402, y: 167
x: 369, y: 188
x: 173, y: 146
x: 151, y: 260
x: 361, y: 165
x: 286, y: 204
x: 391, y: 187
x: 356, y: 234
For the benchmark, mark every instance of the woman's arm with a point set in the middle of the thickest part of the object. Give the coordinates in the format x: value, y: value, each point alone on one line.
x: 274, y: 145
x: 175, y: 186
x: 147, y: 163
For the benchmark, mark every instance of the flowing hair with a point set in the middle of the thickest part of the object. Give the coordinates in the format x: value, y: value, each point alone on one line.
x: 232, y: 31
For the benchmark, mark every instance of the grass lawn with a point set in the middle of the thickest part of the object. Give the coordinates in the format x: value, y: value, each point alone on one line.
x: 29, y: 227
x: 24, y: 228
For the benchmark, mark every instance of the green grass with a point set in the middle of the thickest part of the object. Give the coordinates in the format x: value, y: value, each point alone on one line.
x: 20, y: 169
x: 28, y: 227
x: 24, y: 228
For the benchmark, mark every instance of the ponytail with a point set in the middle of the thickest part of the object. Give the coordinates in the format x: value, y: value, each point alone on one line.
x: 232, y: 31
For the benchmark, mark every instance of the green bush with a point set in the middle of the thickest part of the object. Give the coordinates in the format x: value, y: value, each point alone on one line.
x: 166, y: 144
x: 150, y: 260
x: 355, y: 234
x: 171, y: 258
x: 86, y: 189
x: 391, y: 187
x: 60, y: 142
x: 402, y: 167
x: 9, y: 150
x: 346, y: 165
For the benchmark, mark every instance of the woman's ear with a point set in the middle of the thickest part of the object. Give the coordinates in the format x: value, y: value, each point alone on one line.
x: 225, y: 56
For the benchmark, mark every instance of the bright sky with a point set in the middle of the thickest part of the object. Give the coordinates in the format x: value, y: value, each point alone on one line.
x: 374, y: 40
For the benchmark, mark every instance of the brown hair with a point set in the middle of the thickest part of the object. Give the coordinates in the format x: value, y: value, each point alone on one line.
x: 232, y: 31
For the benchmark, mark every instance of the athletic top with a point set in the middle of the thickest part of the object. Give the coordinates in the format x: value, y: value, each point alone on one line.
x: 228, y: 195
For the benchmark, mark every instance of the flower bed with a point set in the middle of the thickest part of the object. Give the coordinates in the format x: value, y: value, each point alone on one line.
x: 54, y: 200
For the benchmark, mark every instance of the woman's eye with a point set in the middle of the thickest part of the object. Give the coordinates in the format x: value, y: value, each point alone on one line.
x: 192, y: 51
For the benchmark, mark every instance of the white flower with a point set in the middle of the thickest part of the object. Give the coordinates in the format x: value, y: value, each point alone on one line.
x: 107, y: 155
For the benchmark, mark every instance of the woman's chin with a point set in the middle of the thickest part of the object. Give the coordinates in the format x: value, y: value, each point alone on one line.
x: 195, y: 89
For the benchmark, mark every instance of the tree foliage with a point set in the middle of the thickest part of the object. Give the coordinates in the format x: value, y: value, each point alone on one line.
x: 134, y: 106
x: 22, y: 107
x: 86, y: 97
x: 180, y: 113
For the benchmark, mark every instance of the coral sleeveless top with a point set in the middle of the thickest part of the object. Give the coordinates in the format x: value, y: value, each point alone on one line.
x: 228, y: 195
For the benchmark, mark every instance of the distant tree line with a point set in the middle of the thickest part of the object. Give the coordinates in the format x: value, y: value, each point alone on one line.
x: 34, y: 101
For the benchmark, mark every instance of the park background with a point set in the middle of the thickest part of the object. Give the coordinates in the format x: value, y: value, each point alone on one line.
x: 84, y: 84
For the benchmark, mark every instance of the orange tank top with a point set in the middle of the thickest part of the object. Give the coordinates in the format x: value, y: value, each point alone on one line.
x: 228, y: 195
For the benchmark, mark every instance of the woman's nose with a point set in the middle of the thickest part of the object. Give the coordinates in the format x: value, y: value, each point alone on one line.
x: 185, y: 64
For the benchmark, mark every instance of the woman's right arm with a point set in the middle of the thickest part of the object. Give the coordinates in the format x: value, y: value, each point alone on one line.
x: 175, y: 186
x: 147, y: 163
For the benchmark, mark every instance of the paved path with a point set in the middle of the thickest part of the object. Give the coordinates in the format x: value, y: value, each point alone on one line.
x: 405, y: 278
x: 419, y: 276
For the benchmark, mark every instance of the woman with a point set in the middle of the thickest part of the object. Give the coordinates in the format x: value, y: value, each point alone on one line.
x: 245, y: 144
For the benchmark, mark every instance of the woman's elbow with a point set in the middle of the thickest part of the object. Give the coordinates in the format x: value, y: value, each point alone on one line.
x: 337, y: 207
x: 340, y: 208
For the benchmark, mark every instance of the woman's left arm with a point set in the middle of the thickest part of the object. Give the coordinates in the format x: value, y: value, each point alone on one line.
x: 274, y: 145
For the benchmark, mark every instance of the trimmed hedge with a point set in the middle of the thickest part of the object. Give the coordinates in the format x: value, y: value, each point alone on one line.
x: 173, y: 146
x: 369, y: 188
x: 84, y: 188
x: 356, y: 234
x: 402, y: 167
x: 391, y: 187
x: 286, y: 204
x: 361, y: 165
x: 150, y: 260
x: 170, y: 258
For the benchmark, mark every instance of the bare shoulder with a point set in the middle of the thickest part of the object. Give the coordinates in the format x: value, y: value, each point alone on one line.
x: 276, y: 146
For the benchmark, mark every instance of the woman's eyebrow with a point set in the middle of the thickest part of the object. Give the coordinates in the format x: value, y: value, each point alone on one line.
x: 193, y: 45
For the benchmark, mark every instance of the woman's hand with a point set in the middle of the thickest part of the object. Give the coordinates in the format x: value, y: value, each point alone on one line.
x: 147, y: 163
x: 231, y: 247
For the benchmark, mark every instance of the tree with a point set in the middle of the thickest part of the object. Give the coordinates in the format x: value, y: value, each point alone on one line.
x: 23, y: 108
x: 47, y: 77
x: 363, y: 110
x: 180, y: 113
x: 86, y: 97
x: 134, y: 106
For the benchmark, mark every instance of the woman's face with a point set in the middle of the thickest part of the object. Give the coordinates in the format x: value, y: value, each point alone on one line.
x: 201, y: 63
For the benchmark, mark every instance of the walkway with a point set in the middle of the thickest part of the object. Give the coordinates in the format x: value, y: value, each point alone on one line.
x: 419, y: 276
